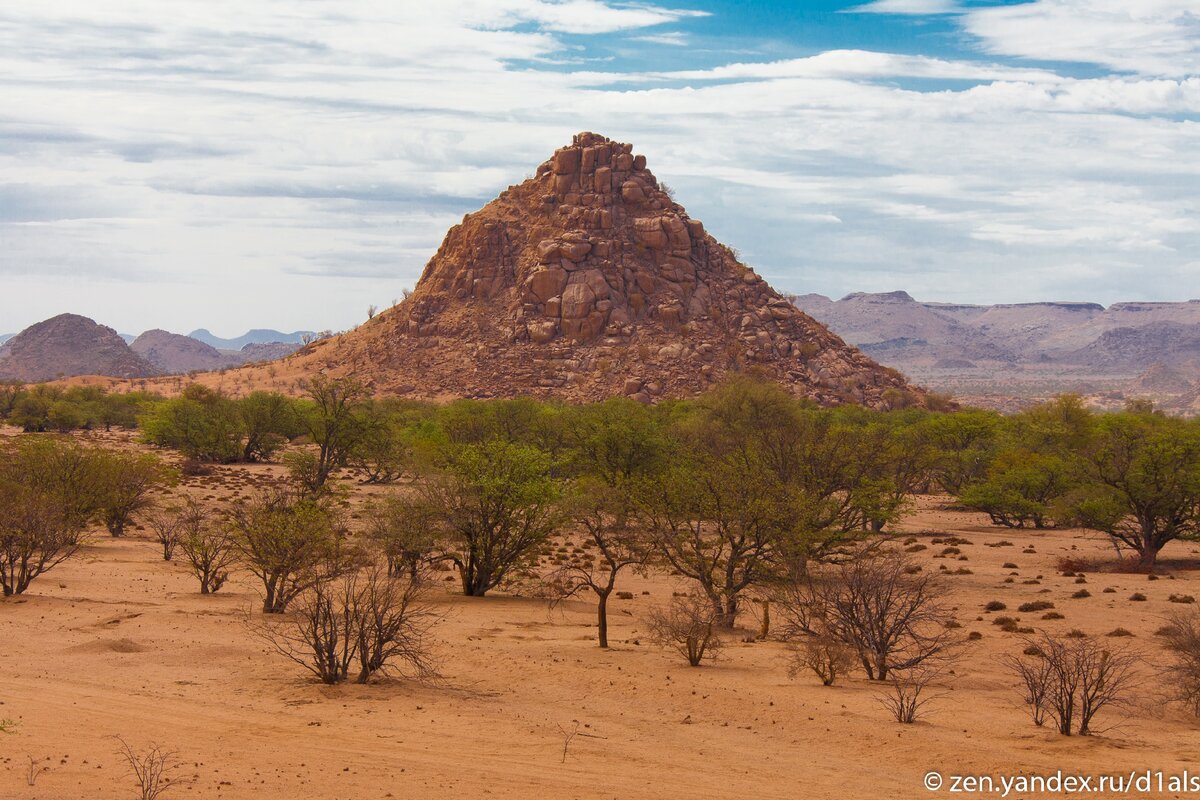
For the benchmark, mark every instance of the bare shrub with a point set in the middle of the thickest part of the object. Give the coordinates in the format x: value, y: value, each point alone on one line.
x: 689, y: 626
x: 1035, y: 674
x: 910, y: 691
x: 151, y: 769
x: 1182, y: 639
x: 370, y: 621
x: 826, y: 657
x: 166, y: 524
x: 890, y: 617
x: 207, y: 544
x: 1074, y: 678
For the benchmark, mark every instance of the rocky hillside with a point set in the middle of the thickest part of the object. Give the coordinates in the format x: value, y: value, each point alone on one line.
x: 69, y: 345
x: 587, y: 281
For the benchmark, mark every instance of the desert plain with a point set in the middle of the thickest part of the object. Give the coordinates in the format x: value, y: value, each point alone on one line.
x: 119, y: 643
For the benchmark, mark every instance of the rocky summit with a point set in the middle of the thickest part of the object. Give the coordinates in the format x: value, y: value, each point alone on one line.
x: 589, y: 281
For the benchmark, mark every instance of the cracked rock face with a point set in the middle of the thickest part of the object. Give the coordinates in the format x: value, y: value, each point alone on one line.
x: 588, y: 281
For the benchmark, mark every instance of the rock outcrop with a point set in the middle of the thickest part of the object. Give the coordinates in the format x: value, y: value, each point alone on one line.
x: 588, y: 281
x: 69, y: 345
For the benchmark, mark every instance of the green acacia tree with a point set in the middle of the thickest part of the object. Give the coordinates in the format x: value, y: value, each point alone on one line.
x: 1141, y: 484
x: 333, y: 418
x: 201, y: 423
x: 497, y: 502
x: 964, y: 444
x: 49, y: 492
x: 268, y: 421
x: 1022, y: 488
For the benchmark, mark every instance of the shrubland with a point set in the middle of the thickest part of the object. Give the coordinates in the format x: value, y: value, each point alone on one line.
x: 745, y: 493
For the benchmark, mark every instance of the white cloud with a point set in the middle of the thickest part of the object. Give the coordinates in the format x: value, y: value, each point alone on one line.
x: 288, y: 164
x: 582, y: 16
x: 915, y: 7
x: 1149, y: 37
x: 855, y: 64
x: 669, y: 38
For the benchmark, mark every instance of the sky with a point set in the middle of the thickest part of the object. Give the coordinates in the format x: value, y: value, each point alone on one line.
x: 231, y: 164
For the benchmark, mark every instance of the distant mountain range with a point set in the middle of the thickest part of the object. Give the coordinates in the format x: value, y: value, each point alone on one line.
x: 70, y: 345
x: 256, y: 336
x: 1076, y: 346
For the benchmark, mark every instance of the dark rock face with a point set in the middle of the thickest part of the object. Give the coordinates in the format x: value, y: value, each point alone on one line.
x: 69, y: 345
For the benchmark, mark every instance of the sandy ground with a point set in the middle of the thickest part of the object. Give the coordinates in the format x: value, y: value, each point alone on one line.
x: 119, y: 643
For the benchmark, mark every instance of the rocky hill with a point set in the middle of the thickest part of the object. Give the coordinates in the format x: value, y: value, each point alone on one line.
x: 586, y: 281
x: 174, y: 353
x: 69, y: 345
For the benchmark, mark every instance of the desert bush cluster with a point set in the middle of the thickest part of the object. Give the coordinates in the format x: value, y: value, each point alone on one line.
x: 52, y: 489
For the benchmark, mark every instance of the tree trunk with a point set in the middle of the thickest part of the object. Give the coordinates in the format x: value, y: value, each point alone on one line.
x: 474, y: 582
x: 729, y: 617
x: 602, y: 619
x: 269, y: 597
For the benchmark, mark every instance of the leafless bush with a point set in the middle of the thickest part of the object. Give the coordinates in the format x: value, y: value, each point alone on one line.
x: 688, y: 625
x: 910, y: 691
x: 208, y: 545
x: 828, y: 658
x: 371, y: 621
x: 167, y: 525
x: 1077, y: 677
x: 1035, y: 674
x: 1182, y: 640
x: 151, y: 769
x: 890, y: 617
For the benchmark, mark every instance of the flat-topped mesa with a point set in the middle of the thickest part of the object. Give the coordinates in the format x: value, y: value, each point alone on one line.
x: 589, y: 268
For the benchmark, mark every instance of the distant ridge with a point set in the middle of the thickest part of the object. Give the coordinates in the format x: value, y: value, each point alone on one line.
x: 255, y: 336
x: 1027, y: 350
